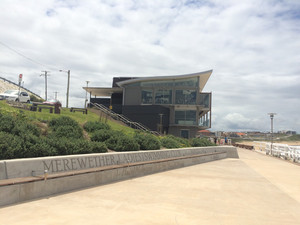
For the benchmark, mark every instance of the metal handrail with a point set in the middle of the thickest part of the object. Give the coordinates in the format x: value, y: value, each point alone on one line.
x: 124, y: 119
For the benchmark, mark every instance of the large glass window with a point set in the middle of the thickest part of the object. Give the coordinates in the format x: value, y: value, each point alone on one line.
x: 187, y: 117
x: 185, y: 97
x: 136, y: 84
x: 146, y: 96
x: 163, y: 97
x: 191, y: 82
x: 204, y: 99
x: 166, y: 83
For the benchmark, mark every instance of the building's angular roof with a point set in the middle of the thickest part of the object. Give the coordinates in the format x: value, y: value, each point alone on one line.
x: 204, y: 76
x: 100, y: 91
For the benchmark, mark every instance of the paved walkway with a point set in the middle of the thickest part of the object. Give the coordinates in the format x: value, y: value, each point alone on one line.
x: 255, y: 189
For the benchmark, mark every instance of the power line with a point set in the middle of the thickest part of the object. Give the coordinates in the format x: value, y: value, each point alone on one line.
x: 26, y: 57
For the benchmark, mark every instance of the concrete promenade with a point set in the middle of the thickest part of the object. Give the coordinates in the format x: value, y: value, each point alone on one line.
x: 255, y: 189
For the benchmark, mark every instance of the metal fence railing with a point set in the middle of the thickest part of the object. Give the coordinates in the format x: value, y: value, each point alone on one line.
x: 284, y: 151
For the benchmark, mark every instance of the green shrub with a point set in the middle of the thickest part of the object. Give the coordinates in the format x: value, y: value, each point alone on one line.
x: 33, y: 146
x: 169, y: 142
x: 68, y: 132
x: 63, y: 146
x: 183, y: 141
x: 7, y: 123
x: 112, y: 142
x: 62, y: 121
x: 68, y: 146
x: 65, y: 127
x: 9, y: 144
x: 201, y: 142
x: 92, y: 126
x: 120, y: 142
x: 21, y: 139
x: 102, y: 135
x: 23, y: 146
x: 98, y: 147
x: 25, y: 127
x: 147, y: 141
x: 126, y: 143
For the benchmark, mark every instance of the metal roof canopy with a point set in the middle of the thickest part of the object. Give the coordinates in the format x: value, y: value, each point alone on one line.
x: 106, y: 92
x: 204, y: 76
x: 103, y: 92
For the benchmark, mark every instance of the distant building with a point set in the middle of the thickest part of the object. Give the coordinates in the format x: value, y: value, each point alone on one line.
x: 205, y: 133
x: 240, y: 134
x: 290, y: 132
x: 168, y: 104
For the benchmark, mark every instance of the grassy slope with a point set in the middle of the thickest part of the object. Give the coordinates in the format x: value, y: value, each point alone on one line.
x: 78, y: 116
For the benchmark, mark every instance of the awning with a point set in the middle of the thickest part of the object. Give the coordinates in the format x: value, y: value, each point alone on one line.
x: 102, y: 92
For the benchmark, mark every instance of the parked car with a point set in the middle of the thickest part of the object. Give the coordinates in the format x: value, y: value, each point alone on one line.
x: 13, y: 95
x: 52, y: 102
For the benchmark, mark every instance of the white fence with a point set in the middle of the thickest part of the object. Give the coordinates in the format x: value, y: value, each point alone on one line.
x: 280, y: 150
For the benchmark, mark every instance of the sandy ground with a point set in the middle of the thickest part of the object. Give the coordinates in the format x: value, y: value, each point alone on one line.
x: 255, y: 189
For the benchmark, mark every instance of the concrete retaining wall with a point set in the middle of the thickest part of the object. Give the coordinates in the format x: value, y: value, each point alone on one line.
x: 114, y: 167
x: 36, y: 166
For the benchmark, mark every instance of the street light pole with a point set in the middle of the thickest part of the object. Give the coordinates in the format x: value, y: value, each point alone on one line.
x: 68, y: 88
x: 86, y: 100
x: 272, y: 117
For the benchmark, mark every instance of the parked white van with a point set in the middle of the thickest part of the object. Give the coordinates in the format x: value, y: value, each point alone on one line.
x: 13, y: 95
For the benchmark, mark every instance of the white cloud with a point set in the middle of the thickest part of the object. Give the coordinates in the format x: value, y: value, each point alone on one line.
x: 252, y: 46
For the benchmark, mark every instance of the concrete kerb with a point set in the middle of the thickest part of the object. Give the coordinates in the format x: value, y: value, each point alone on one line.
x: 63, y: 181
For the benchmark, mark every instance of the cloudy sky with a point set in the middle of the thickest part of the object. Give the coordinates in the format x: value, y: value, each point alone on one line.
x: 253, y: 47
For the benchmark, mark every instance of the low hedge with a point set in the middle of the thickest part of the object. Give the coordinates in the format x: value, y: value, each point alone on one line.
x: 168, y: 142
x: 201, y: 142
x: 122, y: 143
x: 62, y: 121
x: 103, y: 135
x: 147, y: 141
x: 19, y: 138
x: 92, y: 126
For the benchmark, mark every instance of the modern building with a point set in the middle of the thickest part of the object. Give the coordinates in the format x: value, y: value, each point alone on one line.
x: 167, y: 104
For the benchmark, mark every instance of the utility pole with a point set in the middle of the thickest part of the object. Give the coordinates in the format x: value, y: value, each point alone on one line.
x: 68, y: 86
x: 55, y: 95
x: 46, y: 74
x: 20, y: 80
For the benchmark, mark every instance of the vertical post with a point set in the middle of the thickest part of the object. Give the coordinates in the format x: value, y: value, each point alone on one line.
x: 272, y: 117
x: 46, y: 74
x: 20, y: 80
x: 46, y: 85
x: 55, y: 95
x: 160, y: 123
x: 68, y: 88
x: 86, y: 99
